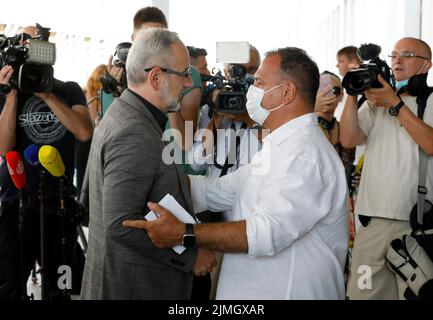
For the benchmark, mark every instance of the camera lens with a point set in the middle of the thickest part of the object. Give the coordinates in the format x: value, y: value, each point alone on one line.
x: 233, y: 103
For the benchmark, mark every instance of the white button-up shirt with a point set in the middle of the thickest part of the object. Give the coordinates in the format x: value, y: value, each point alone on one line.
x: 293, y: 196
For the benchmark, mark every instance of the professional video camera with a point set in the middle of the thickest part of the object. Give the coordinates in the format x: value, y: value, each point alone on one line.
x: 358, y: 80
x: 32, y: 59
x: 232, y: 95
x: 109, y: 83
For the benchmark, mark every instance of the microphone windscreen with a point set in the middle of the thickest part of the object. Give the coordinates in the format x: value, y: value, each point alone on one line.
x: 51, y: 160
x: 31, y: 154
x: 16, y: 169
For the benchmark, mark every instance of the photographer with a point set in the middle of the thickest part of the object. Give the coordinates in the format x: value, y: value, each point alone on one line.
x: 198, y: 59
x: 327, y: 100
x: 210, y: 154
x: 56, y: 118
x: 388, y: 125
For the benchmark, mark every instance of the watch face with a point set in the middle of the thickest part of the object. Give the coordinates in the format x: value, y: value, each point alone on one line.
x: 188, y: 240
x: 392, y: 111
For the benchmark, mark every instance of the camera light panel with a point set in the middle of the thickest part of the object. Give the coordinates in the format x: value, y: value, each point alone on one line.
x: 42, y: 52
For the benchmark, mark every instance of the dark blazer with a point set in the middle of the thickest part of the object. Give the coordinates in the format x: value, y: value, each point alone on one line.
x: 125, y: 172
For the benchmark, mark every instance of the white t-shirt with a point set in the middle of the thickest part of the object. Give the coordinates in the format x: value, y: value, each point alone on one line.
x: 389, y: 177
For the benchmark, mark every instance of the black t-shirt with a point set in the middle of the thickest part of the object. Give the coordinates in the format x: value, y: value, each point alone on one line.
x: 37, y: 124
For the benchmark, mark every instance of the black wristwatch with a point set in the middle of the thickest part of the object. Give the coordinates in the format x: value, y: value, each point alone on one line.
x: 395, y: 109
x: 188, y: 240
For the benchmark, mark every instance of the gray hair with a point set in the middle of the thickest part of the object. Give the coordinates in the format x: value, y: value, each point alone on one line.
x: 151, y: 47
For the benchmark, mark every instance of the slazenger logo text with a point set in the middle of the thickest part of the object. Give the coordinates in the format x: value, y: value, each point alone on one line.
x: 37, y: 118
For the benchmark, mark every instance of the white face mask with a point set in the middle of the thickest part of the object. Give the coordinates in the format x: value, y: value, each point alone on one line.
x: 254, y: 104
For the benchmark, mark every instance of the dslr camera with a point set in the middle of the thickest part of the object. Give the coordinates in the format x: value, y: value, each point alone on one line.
x: 109, y: 84
x: 358, y: 80
x: 32, y: 59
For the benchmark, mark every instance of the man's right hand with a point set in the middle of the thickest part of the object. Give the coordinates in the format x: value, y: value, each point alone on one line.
x: 114, y: 71
x: 325, y: 103
x: 204, y: 263
x: 6, y: 74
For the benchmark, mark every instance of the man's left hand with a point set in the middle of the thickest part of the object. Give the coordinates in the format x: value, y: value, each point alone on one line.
x: 382, y: 97
x: 165, y: 232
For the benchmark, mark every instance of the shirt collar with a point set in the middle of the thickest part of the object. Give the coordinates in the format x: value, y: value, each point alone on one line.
x: 157, y: 114
x: 283, y: 132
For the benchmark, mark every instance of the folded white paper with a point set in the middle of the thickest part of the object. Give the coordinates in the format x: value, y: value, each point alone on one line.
x: 170, y: 203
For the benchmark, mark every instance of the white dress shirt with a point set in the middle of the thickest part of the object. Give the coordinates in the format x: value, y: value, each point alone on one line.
x: 293, y: 196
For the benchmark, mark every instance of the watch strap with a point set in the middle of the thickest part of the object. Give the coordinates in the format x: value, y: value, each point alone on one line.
x: 395, y: 109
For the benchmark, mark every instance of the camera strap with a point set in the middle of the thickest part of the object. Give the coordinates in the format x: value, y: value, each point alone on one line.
x: 423, y: 159
x: 226, y: 166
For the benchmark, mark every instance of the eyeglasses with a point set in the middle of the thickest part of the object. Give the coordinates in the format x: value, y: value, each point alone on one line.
x: 405, y: 55
x: 182, y: 74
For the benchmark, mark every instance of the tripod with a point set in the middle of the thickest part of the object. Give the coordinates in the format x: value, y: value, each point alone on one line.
x: 62, y: 213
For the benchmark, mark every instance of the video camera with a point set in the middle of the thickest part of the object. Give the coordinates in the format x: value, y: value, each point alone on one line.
x: 32, y: 59
x: 109, y: 83
x: 358, y: 80
x: 232, y: 95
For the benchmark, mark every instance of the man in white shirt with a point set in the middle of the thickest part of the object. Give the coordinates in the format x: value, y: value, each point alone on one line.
x: 288, y: 232
x: 392, y: 133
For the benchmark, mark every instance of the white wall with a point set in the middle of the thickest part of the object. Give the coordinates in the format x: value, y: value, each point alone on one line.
x: 353, y: 22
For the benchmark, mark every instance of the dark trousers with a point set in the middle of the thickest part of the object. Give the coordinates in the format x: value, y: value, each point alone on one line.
x: 56, y: 253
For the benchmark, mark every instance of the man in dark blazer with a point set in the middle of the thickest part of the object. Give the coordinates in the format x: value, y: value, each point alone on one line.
x: 127, y: 170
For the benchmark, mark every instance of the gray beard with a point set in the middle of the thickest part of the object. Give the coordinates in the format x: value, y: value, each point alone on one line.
x: 173, y: 107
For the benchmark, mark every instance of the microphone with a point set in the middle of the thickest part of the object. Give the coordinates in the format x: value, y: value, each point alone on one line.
x: 31, y: 154
x: 51, y: 160
x: 16, y: 169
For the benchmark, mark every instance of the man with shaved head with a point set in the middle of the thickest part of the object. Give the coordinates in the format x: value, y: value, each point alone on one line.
x: 388, y: 125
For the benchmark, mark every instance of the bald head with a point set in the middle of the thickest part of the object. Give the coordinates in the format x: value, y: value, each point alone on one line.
x: 31, y: 30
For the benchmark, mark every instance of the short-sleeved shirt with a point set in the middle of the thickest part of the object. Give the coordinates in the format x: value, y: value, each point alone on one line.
x: 389, y: 178
x: 37, y: 124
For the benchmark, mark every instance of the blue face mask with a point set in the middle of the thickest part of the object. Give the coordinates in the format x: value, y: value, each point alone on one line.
x: 401, y: 84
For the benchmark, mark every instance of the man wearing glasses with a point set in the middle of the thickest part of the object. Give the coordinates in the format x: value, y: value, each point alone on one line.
x: 388, y: 125
x: 126, y: 171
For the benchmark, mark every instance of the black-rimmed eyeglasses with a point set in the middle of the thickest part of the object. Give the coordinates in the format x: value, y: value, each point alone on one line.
x: 182, y: 74
x: 405, y: 55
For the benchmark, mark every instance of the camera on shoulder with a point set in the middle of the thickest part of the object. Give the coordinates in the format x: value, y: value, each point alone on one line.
x: 32, y: 58
x: 232, y: 95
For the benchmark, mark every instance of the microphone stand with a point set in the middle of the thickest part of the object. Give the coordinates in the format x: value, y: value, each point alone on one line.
x: 21, y: 213
x: 42, y: 235
x: 65, y: 292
